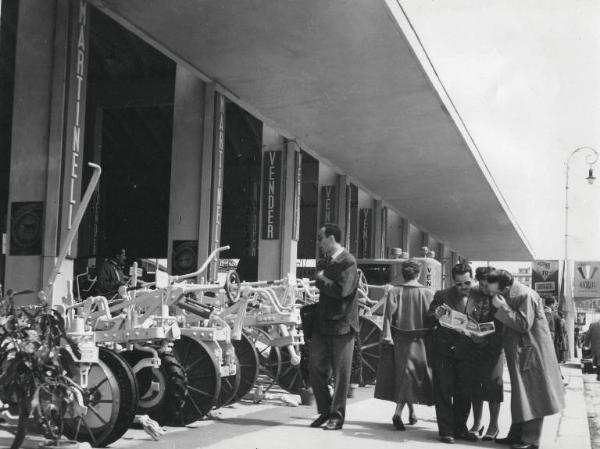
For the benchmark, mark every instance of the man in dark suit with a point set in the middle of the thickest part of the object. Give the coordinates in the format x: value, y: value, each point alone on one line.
x: 449, y: 359
x: 332, y: 341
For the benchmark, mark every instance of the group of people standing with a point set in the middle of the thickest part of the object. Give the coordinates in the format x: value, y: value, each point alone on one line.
x: 424, y: 362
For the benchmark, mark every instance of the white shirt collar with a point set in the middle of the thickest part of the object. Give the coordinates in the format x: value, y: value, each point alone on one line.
x: 337, y: 253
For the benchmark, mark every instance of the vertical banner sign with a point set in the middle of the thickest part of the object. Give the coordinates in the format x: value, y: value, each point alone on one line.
x: 75, y: 120
x: 364, y: 233
x: 328, y: 205
x: 297, y: 194
x: 544, y: 277
x: 218, y: 167
x: 587, y: 280
x: 271, y: 207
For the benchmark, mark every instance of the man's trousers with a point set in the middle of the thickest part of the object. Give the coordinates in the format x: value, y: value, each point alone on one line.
x: 451, y: 394
x: 331, y: 356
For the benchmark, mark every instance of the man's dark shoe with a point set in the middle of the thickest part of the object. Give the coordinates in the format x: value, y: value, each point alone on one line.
x: 467, y: 436
x: 524, y: 446
x: 447, y: 439
x: 322, y: 419
x: 334, y: 423
x: 506, y: 441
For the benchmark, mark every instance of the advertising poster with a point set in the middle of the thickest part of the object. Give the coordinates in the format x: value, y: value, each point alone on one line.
x: 544, y: 277
x: 586, y: 280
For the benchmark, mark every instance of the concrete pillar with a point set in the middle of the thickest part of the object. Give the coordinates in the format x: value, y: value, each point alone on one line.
x: 425, y: 240
x: 405, y: 234
x: 378, y: 230
x: 343, y: 217
x: 394, y: 230
x: 48, y: 121
x: 186, y: 199
x: 289, y: 245
x: 415, y: 241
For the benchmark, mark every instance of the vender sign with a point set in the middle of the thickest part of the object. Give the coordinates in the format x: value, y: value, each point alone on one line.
x: 271, y: 204
x: 587, y: 280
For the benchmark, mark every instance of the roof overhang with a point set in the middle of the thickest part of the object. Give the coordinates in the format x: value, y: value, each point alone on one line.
x: 342, y: 78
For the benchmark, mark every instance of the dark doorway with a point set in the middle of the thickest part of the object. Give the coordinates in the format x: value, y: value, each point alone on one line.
x: 129, y: 129
x: 309, y: 201
x: 241, y: 189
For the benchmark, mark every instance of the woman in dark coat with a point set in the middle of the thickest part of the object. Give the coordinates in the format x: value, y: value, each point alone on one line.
x: 403, y: 375
x: 487, y: 362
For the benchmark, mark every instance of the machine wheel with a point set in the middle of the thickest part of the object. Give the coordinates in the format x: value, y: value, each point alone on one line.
x: 111, y: 398
x: 233, y: 287
x: 229, y: 386
x: 249, y: 366
x: 269, y: 357
x: 290, y: 376
x: 203, y: 380
x: 163, y: 390
x: 370, y: 334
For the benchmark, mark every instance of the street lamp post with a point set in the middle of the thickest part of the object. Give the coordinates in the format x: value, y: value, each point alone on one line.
x: 591, y: 158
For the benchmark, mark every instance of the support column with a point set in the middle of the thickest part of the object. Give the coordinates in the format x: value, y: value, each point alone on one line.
x: 186, y: 199
x: 342, y: 206
x: 289, y: 245
x: 425, y: 240
x: 405, y: 235
x: 48, y: 120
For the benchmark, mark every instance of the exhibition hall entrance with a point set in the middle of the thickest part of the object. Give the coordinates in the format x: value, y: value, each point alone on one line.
x: 241, y: 191
x: 129, y: 131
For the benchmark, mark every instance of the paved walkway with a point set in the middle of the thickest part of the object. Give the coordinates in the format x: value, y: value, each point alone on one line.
x: 272, y: 425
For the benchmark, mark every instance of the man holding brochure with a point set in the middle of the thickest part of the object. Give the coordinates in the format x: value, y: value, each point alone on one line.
x: 450, y: 356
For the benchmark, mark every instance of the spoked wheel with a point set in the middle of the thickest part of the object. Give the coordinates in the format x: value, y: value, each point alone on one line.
x: 269, y: 357
x: 13, y: 427
x: 111, y: 398
x: 249, y: 366
x: 203, y: 380
x: 362, y: 282
x: 162, y: 390
x: 370, y: 334
x: 229, y: 385
x: 290, y: 376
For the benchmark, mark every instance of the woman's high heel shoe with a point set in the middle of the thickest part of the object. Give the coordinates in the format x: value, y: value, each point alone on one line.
x: 490, y: 436
x: 397, y: 422
x: 412, y: 420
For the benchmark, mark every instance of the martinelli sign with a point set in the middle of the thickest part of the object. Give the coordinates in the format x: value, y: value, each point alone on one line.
x: 587, y: 280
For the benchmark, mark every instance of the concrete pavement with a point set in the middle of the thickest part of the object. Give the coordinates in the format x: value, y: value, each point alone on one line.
x: 272, y: 425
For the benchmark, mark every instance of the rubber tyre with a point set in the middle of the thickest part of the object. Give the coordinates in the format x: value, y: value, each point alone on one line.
x: 123, y: 391
x: 203, y: 380
x: 289, y: 377
x: 249, y: 366
x: 170, y: 378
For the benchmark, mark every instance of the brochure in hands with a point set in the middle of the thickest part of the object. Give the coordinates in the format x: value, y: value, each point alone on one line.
x: 460, y: 322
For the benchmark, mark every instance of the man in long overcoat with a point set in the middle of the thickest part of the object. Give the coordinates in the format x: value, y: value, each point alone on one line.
x: 332, y: 343
x: 537, y: 389
x: 592, y: 340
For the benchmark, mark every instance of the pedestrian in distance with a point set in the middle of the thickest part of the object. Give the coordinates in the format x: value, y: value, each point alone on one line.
x: 403, y: 373
x: 536, y: 386
x: 450, y: 359
x: 332, y: 342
